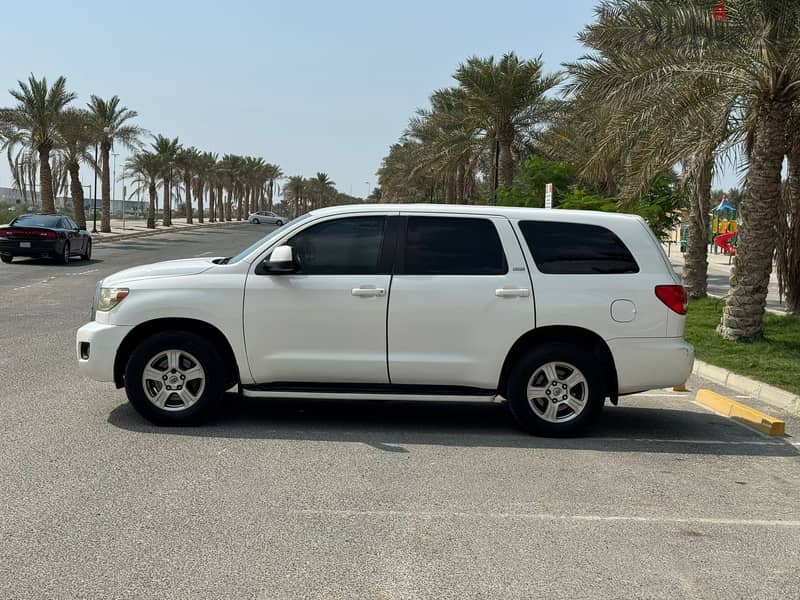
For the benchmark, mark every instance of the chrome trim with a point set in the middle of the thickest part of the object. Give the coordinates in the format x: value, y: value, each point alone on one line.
x: 361, y: 396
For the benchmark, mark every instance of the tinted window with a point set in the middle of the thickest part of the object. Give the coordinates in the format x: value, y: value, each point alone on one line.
x: 452, y: 246
x: 341, y: 247
x: 576, y: 248
x: 38, y: 221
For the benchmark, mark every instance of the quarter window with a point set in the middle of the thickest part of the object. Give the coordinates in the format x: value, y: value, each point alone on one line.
x: 452, y: 246
x: 349, y: 246
x: 576, y: 249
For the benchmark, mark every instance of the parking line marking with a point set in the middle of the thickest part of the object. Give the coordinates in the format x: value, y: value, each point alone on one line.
x: 793, y: 524
x: 698, y: 442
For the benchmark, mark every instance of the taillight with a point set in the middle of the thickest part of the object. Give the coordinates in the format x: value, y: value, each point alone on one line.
x: 674, y: 296
x: 48, y: 234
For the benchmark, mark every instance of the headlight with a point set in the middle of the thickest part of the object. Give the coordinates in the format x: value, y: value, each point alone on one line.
x: 110, y: 297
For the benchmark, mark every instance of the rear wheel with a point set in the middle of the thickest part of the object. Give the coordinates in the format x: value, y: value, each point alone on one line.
x: 175, y: 378
x: 6, y: 258
x: 87, y: 254
x: 278, y: 222
x: 65, y: 253
x: 556, y: 390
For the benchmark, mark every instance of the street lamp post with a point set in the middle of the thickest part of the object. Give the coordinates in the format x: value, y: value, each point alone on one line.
x: 88, y: 187
x: 94, y: 195
x: 114, y: 187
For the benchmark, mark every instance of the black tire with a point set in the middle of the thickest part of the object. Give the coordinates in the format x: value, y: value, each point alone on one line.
x: 256, y: 221
x: 87, y: 254
x: 278, y: 222
x: 529, y: 364
x: 65, y: 254
x: 6, y: 258
x: 216, y: 379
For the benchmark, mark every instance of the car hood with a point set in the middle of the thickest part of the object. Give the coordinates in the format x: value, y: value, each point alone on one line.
x: 169, y: 268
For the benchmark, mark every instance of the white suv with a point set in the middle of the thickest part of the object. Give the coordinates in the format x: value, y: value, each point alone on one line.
x: 553, y: 311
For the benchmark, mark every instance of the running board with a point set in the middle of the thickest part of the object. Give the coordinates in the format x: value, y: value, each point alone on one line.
x: 407, y: 393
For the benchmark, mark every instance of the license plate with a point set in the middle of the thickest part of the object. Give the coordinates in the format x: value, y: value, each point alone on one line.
x: 24, y: 244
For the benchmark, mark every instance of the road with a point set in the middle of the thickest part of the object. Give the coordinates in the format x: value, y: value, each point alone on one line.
x: 280, y: 499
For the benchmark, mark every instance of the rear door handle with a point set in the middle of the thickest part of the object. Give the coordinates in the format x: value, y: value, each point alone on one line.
x: 512, y: 292
x: 367, y: 292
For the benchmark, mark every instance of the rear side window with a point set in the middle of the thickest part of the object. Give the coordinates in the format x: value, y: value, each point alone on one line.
x: 576, y: 249
x: 452, y: 246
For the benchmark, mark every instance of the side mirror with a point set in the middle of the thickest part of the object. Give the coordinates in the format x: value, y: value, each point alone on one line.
x: 280, y: 261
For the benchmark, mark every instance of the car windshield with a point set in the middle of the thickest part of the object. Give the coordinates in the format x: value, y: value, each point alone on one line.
x: 272, y: 234
x: 38, y: 221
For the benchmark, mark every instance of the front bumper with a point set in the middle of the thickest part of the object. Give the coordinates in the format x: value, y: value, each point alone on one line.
x: 96, y: 347
x: 651, y: 363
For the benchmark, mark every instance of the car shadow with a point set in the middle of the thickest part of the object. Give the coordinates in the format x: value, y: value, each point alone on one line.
x: 398, y: 426
x: 74, y: 262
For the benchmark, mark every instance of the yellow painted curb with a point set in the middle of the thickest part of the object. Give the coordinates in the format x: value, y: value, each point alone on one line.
x: 680, y: 388
x: 741, y: 412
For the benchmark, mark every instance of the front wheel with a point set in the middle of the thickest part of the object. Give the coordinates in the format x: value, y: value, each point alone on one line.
x: 555, y: 390
x: 256, y: 221
x: 175, y: 378
x: 6, y: 258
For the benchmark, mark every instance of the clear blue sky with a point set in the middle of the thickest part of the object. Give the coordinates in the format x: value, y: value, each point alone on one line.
x: 312, y: 86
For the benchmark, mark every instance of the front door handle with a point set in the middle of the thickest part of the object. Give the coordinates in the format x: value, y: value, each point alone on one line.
x: 368, y: 292
x: 512, y: 292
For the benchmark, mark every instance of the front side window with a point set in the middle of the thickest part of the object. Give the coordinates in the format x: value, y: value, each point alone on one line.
x: 452, y: 246
x: 350, y: 246
x: 576, y: 249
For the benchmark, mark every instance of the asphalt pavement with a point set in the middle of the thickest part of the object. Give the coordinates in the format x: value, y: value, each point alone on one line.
x: 313, y: 499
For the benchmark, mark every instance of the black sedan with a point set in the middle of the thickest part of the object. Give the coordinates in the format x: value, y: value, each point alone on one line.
x: 51, y: 236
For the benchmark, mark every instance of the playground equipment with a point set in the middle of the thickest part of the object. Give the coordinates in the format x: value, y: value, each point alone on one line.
x: 723, y: 228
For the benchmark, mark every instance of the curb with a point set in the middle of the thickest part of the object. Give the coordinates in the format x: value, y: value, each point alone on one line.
x: 741, y: 412
x: 138, y: 234
x: 768, y: 394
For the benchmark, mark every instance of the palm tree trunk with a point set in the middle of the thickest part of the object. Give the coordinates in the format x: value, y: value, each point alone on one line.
x: 105, y: 187
x: 199, y: 192
x: 270, y: 191
x: 212, y: 210
x: 505, y: 137
x: 788, y: 235
x: 743, y: 316
x: 220, y: 204
x: 76, y: 190
x: 151, y: 210
x: 166, y: 219
x: 46, y: 180
x: 695, y: 266
x: 229, y: 206
x: 187, y: 182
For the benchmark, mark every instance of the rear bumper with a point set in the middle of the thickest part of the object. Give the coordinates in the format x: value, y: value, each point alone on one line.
x: 96, y: 347
x: 651, y: 363
x: 37, y: 248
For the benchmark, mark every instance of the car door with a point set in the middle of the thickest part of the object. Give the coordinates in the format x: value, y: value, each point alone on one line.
x: 460, y: 297
x: 76, y: 236
x: 326, y: 322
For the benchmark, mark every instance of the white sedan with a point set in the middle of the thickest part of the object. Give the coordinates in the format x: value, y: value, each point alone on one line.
x: 264, y: 216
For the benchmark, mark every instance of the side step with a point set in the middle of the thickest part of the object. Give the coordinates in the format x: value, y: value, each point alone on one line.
x: 343, y: 391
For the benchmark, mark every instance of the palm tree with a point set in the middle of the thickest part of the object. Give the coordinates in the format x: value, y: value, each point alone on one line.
x: 294, y: 190
x: 186, y: 163
x: 75, y: 138
x: 272, y: 173
x: 690, y: 64
x: 504, y: 98
x: 324, y: 187
x: 111, y: 126
x: 36, y: 118
x: 145, y: 168
x: 166, y: 150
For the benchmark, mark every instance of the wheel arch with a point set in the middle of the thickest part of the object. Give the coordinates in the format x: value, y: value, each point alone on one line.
x: 560, y: 333
x: 196, y: 326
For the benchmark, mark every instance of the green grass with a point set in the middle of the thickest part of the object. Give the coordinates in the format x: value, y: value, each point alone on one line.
x: 774, y: 360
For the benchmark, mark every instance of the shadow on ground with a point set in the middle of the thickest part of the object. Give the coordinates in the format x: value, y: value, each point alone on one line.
x: 398, y: 426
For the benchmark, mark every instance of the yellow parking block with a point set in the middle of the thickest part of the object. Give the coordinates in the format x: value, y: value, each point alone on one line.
x: 741, y: 412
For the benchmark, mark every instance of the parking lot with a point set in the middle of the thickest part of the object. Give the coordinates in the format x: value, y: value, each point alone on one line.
x: 364, y: 499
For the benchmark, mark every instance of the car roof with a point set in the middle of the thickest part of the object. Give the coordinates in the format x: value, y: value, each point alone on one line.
x: 512, y: 212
